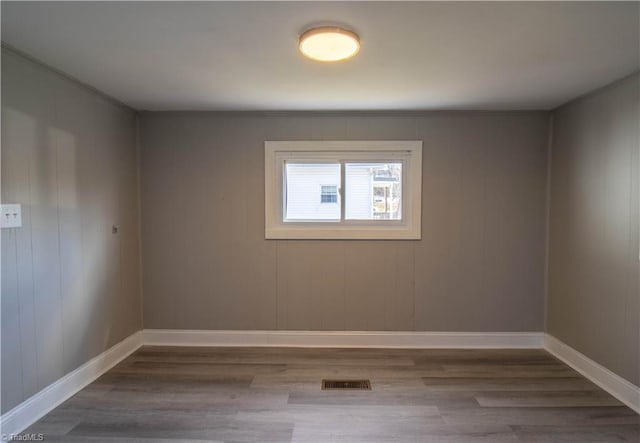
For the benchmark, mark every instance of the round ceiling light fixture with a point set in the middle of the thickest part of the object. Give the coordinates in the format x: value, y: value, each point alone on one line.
x: 329, y: 44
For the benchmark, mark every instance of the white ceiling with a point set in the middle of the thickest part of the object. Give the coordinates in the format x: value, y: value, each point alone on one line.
x: 243, y: 55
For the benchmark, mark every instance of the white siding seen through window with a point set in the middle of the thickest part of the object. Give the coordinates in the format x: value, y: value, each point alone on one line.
x: 343, y: 189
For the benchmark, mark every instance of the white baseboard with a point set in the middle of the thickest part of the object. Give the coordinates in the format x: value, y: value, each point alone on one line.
x: 31, y: 410
x: 344, y: 339
x: 615, y: 385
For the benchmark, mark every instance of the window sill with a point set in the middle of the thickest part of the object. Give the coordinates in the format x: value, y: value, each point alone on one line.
x: 342, y: 233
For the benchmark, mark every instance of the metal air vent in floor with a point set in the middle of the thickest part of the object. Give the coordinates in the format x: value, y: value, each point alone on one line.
x: 361, y: 385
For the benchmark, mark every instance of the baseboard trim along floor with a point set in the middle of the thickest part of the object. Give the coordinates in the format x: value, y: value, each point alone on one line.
x: 40, y: 404
x: 32, y: 409
x: 615, y: 385
x: 344, y: 339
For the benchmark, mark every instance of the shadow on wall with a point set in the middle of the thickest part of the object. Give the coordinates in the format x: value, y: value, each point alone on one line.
x: 61, y: 270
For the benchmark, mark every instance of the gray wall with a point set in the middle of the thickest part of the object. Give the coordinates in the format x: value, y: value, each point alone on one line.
x: 479, y: 265
x: 70, y: 289
x: 594, y: 297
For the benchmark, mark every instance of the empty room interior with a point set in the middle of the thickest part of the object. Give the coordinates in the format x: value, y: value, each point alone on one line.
x: 317, y: 222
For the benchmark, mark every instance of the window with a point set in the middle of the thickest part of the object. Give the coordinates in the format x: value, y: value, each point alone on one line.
x: 329, y: 194
x: 343, y: 189
x: 374, y: 191
x: 307, y: 193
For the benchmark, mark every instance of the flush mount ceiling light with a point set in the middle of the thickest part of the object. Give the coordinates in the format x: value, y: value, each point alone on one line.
x: 329, y: 44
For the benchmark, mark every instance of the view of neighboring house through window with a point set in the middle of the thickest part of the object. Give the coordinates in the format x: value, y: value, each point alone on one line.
x: 328, y: 194
x: 373, y: 191
x: 308, y: 187
x: 343, y: 189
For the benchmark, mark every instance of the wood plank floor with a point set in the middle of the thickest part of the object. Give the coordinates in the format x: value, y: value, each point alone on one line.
x: 167, y: 395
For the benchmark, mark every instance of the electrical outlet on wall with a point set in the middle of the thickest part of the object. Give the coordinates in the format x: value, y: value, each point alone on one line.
x: 10, y: 216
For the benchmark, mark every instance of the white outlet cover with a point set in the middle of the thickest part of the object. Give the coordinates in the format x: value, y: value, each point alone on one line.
x: 10, y: 216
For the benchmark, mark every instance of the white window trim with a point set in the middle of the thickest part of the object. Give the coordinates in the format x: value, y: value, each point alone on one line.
x: 409, y: 228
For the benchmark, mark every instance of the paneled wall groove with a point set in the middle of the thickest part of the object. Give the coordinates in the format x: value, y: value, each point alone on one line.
x: 56, y: 147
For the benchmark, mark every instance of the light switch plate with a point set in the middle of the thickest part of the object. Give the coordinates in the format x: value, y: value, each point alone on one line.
x: 10, y: 216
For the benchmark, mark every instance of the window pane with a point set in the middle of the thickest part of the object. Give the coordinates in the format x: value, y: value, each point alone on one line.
x: 328, y: 194
x: 312, y: 191
x: 373, y: 191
